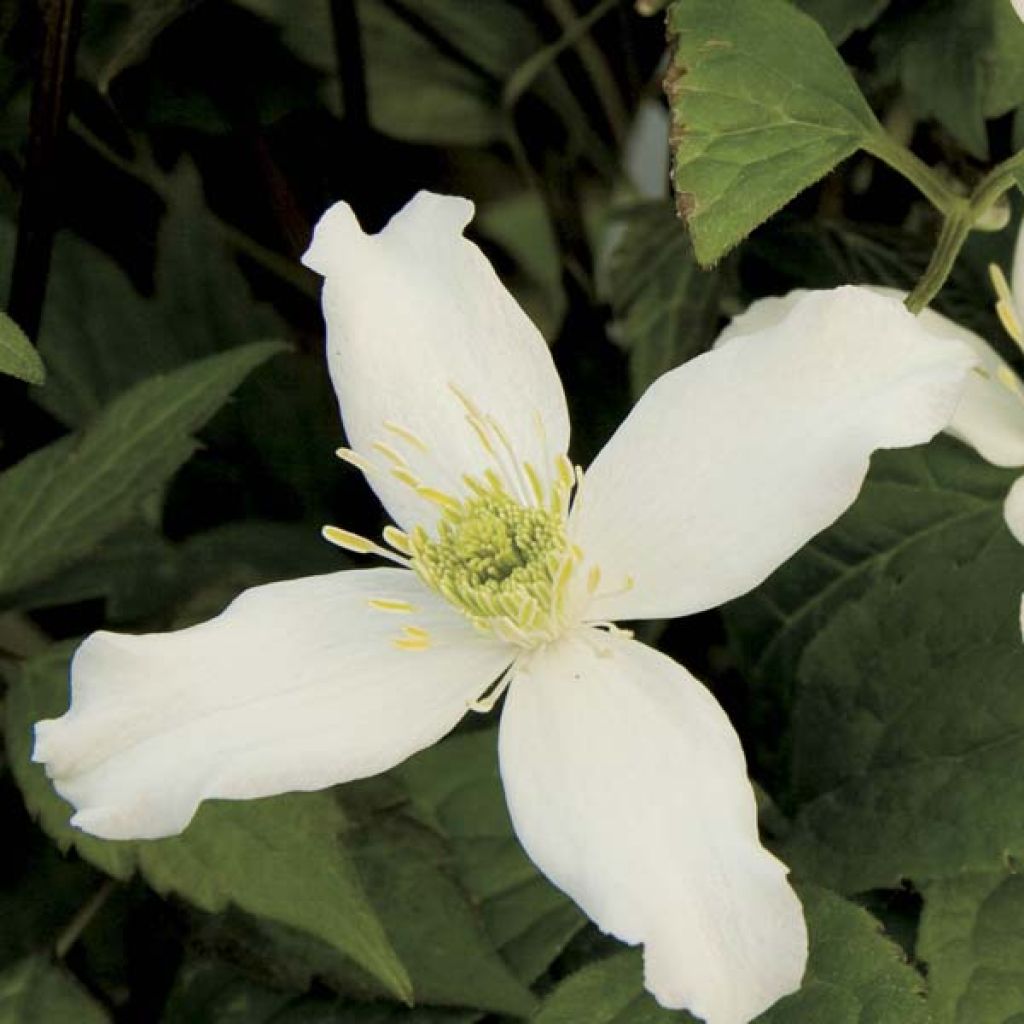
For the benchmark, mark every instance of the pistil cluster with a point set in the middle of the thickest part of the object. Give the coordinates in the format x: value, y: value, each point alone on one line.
x: 505, y: 565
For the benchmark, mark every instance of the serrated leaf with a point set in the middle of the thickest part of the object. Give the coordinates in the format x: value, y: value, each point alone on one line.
x: 666, y: 307
x: 841, y: 18
x: 906, y: 727
x: 456, y: 787
x: 18, y: 356
x: 57, y: 504
x: 283, y: 858
x: 855, y: 975
x: 762, y: 106
x: 972, y: 939
x: 36, y: 991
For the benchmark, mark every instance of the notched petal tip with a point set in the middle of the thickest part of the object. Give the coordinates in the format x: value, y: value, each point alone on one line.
x: 338, y: 235
x: 432, y: 215
x: 335, y: 236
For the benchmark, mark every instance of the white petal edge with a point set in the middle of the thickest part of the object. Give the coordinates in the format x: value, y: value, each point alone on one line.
x: 1018, y: 6
x: 732, y: 462
x: 1017, y: 270
x: 412, y: 311
x: 990, y: 414
x: 627, y: 787
x: 1013, y: 510
x: 295, y: 686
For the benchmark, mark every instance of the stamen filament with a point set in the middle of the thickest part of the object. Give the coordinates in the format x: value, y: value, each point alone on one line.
x: 391, y: 454
x: 387, y: 604
x: 406, y: 435
x: 361, y: 545
x: 397, y: 539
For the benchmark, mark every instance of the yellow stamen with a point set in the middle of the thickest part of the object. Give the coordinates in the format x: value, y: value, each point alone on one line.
x: 416, y: 632
x: 406, y: 435
x: 391, y: 454
x: 348, y: 541
x: 439, y: 498
x: 397, y: 539
x: 593, y: 579
x: 1006, y: 308
x: 405, y: 477
x: 360, y: 545
x: 363, y: 464
x: 387, y: 604
x: 404, y: 643
x: 535, y: 485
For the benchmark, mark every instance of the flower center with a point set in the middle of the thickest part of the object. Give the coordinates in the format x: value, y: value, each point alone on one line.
x: 503, y: 564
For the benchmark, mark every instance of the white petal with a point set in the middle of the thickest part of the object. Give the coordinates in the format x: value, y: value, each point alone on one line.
x: 990, y: 414
x: 1018, y: 6
x: 412, y: 311
x: 729, y: 464
x: 1013, y: 510
x: 627, y: 787
x: 295, y: 686
x: 1017, y: 271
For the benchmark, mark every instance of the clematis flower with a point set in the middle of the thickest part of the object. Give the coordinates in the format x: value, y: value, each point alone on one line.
x: 990, y: 414
x: 624, y: 778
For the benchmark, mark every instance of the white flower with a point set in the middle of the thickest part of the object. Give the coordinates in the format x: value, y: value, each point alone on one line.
x: 990, y: 414
x: 1018, y: 6
x: 625, y: 781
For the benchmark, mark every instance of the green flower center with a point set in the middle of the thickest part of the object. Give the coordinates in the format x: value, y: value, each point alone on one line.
x: 501, y: 563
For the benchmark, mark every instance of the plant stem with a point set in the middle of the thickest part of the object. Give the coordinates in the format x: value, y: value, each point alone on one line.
x: 77, y: 925
x: 596, y: 66
x: 915, y: 170
x: 961, y: 217
x: 61, y: 23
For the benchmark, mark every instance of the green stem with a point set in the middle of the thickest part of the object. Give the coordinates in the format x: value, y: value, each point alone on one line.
x: 961, y: 217
x: 73, y: 932
x: 955, y: 229
x: 929, y: 183
x: 523, y: 77
x: 282, y: 267
x: 596, y: 66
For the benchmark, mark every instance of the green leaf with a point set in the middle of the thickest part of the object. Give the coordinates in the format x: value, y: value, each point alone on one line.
x: 57, y: 504
x: 283, y: 858
x: 607, y: 992
x: 762, y: 106
x: 456, y: 787
x: 99, y: 336
x: 435, y: 70
x: 959, y: 63
x: 906, y: 727
x: 972, y: 940
x: 914, y: 497
x: 18, y: 356
x: 36, y: 991
x: 666, y: 307
x: 854, y: 976
x: 436, y: 931
x: 211, y: 992
x: 841, y: 18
